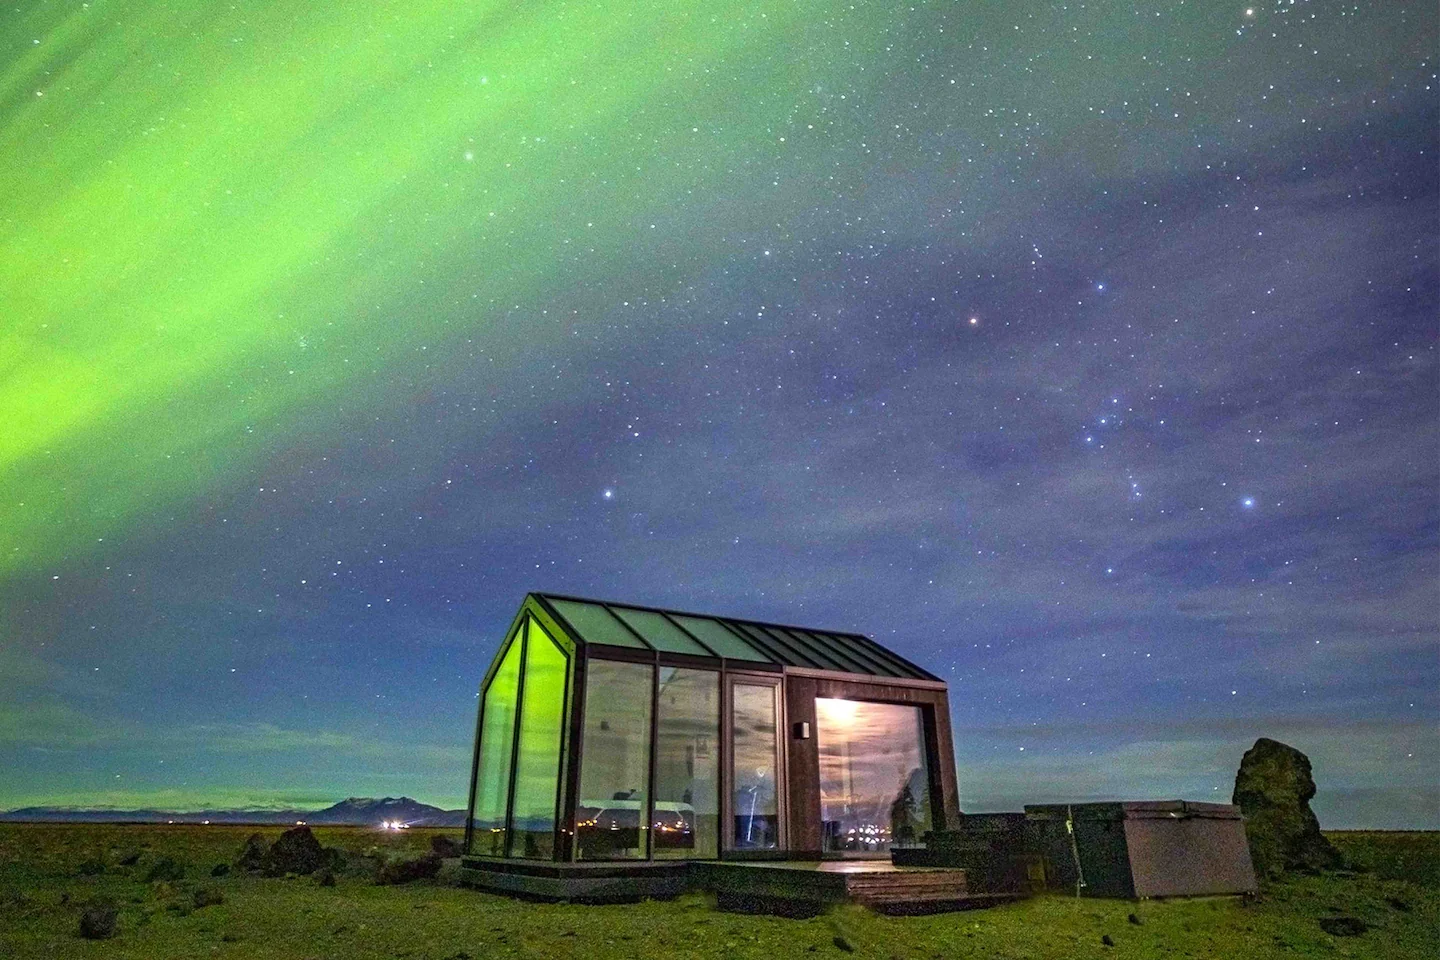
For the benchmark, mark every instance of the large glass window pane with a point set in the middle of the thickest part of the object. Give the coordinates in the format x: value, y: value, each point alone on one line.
x: 756, y: 800
x: 595, y: 623
x: 715, y: 636
x: 497, y: 737
x: 610, y: 818
x: 874, y: 782
x: 686, y: 820
x: 537, y: 767
x: 659, y: 632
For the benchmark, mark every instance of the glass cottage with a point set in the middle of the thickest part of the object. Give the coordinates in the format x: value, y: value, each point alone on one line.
x: 616, y: 734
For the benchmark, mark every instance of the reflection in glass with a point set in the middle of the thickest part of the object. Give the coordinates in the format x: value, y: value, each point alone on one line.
x: 756, y: 803
x: 874, y: 785
x: 687, y: 790
x: 492, y: 776
x: 614, y: 761
x: 537, y: 768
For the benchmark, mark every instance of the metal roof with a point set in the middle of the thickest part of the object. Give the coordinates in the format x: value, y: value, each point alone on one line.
x: 730, y: 638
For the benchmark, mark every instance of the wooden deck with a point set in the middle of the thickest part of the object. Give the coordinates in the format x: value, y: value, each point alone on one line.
x: 817, y: 885
x: 793, y: 887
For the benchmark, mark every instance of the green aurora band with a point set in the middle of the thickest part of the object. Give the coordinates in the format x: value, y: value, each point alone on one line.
x: 224, y: 225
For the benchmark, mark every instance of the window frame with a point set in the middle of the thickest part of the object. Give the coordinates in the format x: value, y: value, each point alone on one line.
x: 927, y: 743
x: 728, y: 850
x: 516, y: 634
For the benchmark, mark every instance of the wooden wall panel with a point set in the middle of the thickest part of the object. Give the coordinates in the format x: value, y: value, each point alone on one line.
x: 803, y: 775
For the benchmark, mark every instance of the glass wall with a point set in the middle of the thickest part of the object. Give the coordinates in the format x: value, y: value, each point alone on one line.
x: 610, y: 812
x: 686, y: 818
x: 874, y: 782
x: 497, y: 737
x: 537, y: 766
x: 755, y: 796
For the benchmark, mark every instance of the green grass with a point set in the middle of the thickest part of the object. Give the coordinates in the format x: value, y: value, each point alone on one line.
x: 1392, y: 854
x: 41, y: 894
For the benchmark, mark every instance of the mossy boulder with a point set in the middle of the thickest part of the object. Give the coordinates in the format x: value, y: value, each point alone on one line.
x: 252, y: 854
x: 99, y: 921
x: 165, y: 870
x: 407, y: 871
x: 295, y: 851
x: 443, y: 846
x: 207, y: 897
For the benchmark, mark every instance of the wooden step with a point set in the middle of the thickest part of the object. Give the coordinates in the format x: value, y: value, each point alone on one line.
x: 902, y: 886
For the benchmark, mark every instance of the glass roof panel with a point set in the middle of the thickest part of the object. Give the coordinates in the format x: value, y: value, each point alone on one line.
x: 696, y: 634
x: 902, y: 667
x: 788, y: 649
x: 595, y: 623
x: 714, y: 635
x: 847, y: 647
x: 832, y: 655
x: 659, y: 632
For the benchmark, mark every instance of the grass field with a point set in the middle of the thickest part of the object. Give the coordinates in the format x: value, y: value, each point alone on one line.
x: 47, y: 875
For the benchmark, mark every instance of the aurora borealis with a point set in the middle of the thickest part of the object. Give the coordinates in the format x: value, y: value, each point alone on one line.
x: 327, y: 330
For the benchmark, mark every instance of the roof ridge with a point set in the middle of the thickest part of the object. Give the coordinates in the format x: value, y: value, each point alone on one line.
x: 694, y: 613
x: 847, y: 642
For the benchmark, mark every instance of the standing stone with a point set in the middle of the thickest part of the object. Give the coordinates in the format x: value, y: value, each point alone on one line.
x: 1273, y: 789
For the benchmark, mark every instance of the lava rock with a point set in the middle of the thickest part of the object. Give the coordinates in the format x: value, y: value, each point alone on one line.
x: 335, y: 860
x: 207, y: 897
x: 443, y: 846
x: 92, y: 867
x: 99, y: 922
x: 165, y: 870
x: 1108, y: 940
x: 1136, y: 919
x: 220, y: 870
x: 296, y: 851
x: 1273, y: 789
x: 252, y: 854
x: 1343, y: 926
x: 129, y: 858
x: 325, y: 877
x: 406, y: 871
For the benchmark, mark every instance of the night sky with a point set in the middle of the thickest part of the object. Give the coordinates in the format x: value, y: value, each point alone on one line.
x: 1083, y: 353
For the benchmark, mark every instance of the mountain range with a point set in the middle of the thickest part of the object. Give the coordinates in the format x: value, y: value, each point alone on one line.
x: 356, y: 811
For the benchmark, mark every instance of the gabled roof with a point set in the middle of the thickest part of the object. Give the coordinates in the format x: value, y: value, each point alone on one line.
x: 731, y: 638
